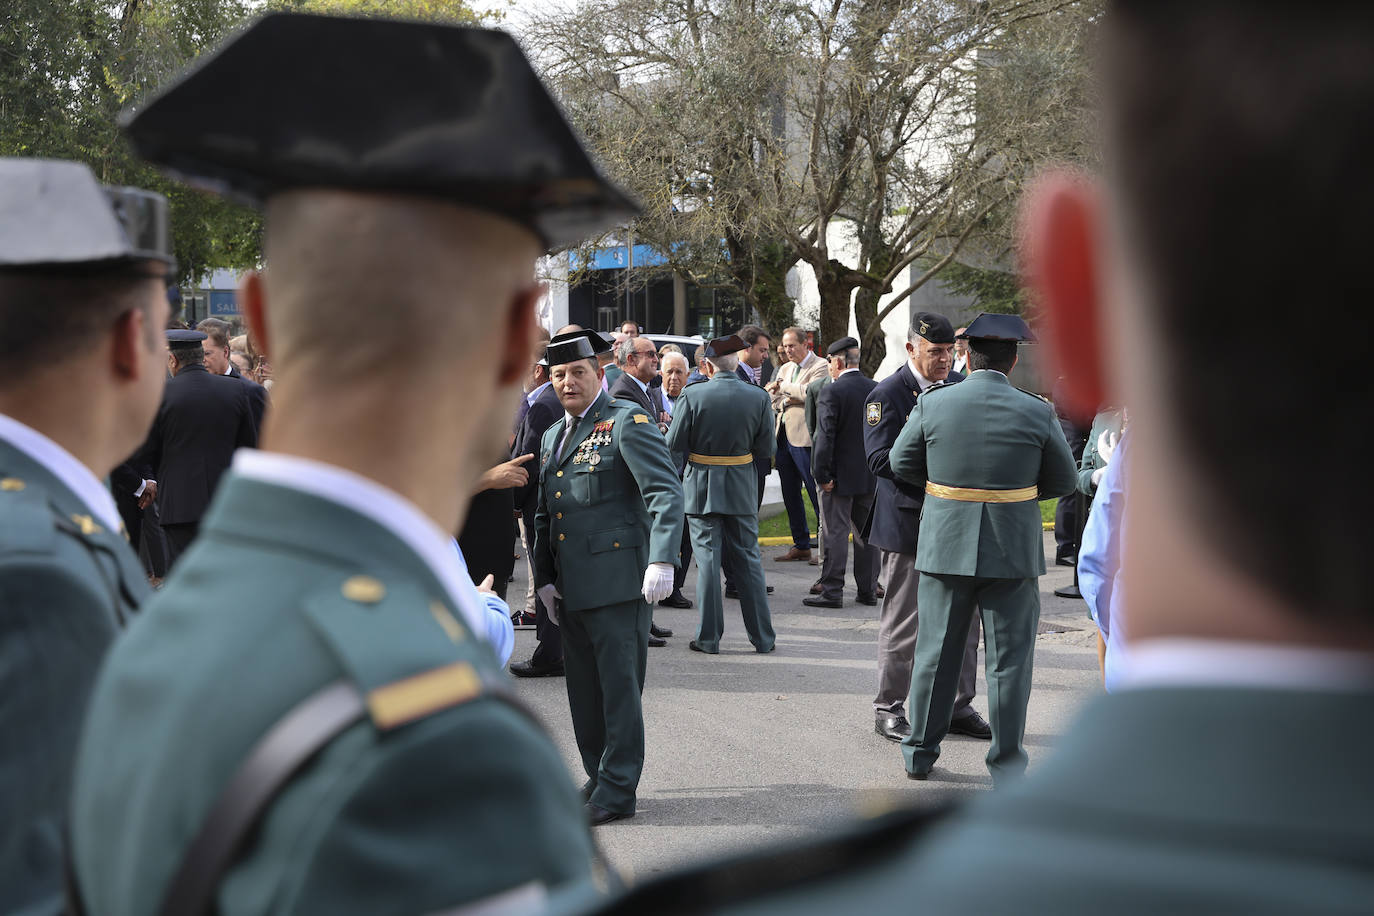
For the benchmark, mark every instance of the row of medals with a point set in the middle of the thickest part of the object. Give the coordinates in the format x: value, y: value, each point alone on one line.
x: 587, y: 451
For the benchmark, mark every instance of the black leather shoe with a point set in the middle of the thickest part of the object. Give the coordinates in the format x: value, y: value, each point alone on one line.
x: 921, y: 776
x: 676, y: 599
x: 870, y: 600
x: 732, y: 593
x: 696, y: 647
x: 816, y: 588
x: 823, y: 602
x: 530, y: 669
x: 972, y: 725
x: 657, y: 643
x: 770, y: 589
x: 1065, y: 561
x: 893, y: 728
x: 597, y: 815
x: 660, y: 632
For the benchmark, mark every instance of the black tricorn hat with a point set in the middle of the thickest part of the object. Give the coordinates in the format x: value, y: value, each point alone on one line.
x: 575, y: 345
x: 989, y: 326
x: 724, y: 346
x: 440, y: 111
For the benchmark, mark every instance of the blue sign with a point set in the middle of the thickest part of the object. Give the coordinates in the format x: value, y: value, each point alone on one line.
x: 224, y: 302
x: 616, y: 259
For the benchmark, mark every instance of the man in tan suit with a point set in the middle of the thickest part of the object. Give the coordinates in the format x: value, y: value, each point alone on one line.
x: 793, y: 460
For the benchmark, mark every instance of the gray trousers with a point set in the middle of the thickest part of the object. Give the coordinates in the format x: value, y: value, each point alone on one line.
x: 841, y: 515
x: 715, y: 537
x: 897, y: 642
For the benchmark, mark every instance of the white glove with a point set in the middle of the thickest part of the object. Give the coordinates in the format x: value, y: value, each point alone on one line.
x: 1106, y: 444
x: 1097, y: 476
x: 547, y: 594
x: 658, y: 581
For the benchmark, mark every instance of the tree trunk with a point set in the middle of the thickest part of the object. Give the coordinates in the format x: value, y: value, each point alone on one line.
x: 873, y: 347
x: 836, y: 293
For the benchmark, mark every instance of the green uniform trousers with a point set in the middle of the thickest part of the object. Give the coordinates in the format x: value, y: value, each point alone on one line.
x: 715, y: 537
x: 605, y: 655
x: 1010, y: 613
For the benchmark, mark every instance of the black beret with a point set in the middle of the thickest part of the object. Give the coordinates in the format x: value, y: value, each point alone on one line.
x: 56, y: 214
x: 934, y: 328
x: 441, y: 111
x: 988, y: 326
x: 839, y: 346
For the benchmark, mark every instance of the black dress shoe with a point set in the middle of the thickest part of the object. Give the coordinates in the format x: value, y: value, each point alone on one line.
x: 770, y: 589
x: 597, y: 815
x: 870, y: 600
x: 696, y: 647
x: 660, y: 632
x: 921, y: 776
x: 530, y: 669
x: 823, y: 602
x: 676, y: 599
x: 656, y: 643
x: 734, y: 593
x: 816, y: 588
x: 893, y: 728
x: 972, y: 725
x: 1065, y: 561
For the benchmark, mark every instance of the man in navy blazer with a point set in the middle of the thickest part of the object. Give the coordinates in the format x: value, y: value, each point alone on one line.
x: 893, y: 526
x: 839, y: 465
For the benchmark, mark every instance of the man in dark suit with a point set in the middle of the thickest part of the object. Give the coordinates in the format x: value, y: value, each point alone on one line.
x: 639, y: 363
x: 202, y: 420
x: 217, y: 362
x: 543, y: 411
x: 840, y: 468
x: 675, y: 373
x: 893, y: 528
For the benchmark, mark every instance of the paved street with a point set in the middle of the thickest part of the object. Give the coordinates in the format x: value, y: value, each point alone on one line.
x: 746, y: 749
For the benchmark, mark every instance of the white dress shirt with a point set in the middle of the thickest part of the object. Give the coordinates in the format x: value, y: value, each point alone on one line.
x: 484, y: 614
x: 65, y: 467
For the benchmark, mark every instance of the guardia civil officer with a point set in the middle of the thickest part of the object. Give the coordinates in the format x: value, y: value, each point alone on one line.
x: 83, y: 271
x: 308, y: 717
x: 979, y: 549
x: 894, y: 524
x: 722, y: 427
x: 606, y: 536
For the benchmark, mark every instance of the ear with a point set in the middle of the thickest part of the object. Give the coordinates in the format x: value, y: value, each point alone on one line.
x: 127, y: 348
x: 254, y: 305
x: 1061, y: 251
x: 519, y: 344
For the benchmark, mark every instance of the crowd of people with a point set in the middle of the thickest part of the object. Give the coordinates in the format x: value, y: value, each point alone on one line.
x: 341, y: 735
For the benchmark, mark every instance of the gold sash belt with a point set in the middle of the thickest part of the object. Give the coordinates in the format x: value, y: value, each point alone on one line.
x: 974, y: 495
x: 725, y: 460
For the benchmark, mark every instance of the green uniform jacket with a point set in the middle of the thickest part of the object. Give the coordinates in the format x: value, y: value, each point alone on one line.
x: 810, y: 408
x: 282, y: 594
x: 986, y: 434
x: 725, y: 417
x: 66, y: 587
x: 1108, y: 421
x: 602, y: 521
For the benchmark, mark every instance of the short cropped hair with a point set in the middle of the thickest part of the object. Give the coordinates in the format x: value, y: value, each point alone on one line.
x: 992, y: 354
x: 46, y: 317
x: 795, y: 332
x: 1240, y: 135
x: 188, y: 356
x: 725, y: 363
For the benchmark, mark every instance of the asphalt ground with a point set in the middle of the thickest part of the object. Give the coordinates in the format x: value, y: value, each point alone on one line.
x: 746, y: 749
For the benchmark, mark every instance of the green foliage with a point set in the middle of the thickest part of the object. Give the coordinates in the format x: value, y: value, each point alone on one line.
x: 68, y: 67
x: 992, y: 290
